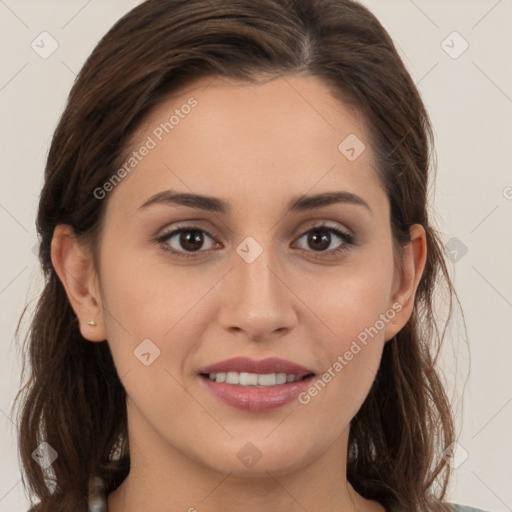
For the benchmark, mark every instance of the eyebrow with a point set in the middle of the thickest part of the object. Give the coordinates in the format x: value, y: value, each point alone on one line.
x: 216, y: 205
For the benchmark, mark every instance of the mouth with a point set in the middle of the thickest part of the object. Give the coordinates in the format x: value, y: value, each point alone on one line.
x: 256, y: 386
x: 255, y: 380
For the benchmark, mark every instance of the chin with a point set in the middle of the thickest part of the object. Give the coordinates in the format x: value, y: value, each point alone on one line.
x: 257, y: 459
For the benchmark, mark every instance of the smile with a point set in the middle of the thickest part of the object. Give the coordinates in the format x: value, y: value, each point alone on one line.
x: 255, y: 386
x: 254, y: 379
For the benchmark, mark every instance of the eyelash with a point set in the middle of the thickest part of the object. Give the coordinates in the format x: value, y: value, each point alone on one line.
x: 348, y: 240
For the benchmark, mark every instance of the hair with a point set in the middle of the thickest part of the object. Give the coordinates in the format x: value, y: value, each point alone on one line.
x: 73, y: 397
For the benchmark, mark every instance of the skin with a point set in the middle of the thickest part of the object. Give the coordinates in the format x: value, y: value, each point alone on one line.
x: 256, y: 146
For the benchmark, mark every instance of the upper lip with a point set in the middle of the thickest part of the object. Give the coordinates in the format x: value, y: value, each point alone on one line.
x: 263, y: 366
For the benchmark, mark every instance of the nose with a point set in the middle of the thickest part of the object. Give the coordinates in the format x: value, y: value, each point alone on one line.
x: 258, y: 302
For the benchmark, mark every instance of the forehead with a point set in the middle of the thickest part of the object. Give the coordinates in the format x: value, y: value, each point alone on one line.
x: 244, y: 141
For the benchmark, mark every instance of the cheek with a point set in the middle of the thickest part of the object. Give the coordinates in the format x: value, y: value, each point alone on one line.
x: 351, y: 313
x: 349, y: 302
x: 145, y: 299
x: 143, y: 292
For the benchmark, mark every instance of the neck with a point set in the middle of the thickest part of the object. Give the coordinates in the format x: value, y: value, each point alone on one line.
x: 163, y: 478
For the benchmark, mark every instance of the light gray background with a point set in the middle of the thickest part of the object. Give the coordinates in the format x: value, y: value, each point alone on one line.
x: 469, y: 99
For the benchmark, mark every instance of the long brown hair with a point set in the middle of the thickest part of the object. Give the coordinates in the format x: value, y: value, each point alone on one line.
x: 73, y: 398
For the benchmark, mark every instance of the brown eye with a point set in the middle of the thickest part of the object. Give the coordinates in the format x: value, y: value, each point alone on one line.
x: 320, y: 238
x: 319, y: 242
x: 189, y: 239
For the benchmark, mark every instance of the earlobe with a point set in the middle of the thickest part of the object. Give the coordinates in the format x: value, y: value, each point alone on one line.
x: 74, y: 266
x: 406, y: 284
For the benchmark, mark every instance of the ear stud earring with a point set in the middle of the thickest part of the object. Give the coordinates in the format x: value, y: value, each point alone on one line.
x: 91, y: 322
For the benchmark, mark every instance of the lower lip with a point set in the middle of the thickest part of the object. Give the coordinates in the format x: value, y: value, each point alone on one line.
x: 255, y: 399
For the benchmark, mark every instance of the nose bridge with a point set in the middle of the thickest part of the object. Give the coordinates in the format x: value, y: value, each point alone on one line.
x: 255, y: 271
x: 258, y: 301
x: 256, y: 278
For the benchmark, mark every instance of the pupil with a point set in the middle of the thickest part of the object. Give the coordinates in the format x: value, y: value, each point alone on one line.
x: 191, y: 240
x: 324, y: 240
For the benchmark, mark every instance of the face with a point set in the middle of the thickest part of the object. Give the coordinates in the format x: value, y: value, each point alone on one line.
x: 257, y: 271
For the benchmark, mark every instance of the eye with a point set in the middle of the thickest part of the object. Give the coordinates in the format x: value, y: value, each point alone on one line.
x: 184, y: 240
x: 320, y: 238
x: 188, y: 241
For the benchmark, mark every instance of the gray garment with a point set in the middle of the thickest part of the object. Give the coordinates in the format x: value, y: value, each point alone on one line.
x: 463, y: 508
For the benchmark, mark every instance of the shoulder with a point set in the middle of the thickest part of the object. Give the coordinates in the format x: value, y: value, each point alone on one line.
x: 465, y: 508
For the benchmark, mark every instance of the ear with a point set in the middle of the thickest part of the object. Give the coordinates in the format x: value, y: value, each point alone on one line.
x: 73, y: 263
x: 406, y: 283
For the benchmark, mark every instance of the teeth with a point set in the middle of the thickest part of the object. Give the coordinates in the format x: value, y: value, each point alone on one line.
x: 253, y: 379
x: 232, y: 378
x: 280, y: 378
x: 267, y: 379
x: 248, y: 379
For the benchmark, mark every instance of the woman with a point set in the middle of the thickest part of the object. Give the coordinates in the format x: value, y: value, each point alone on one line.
x: 240, y: 268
